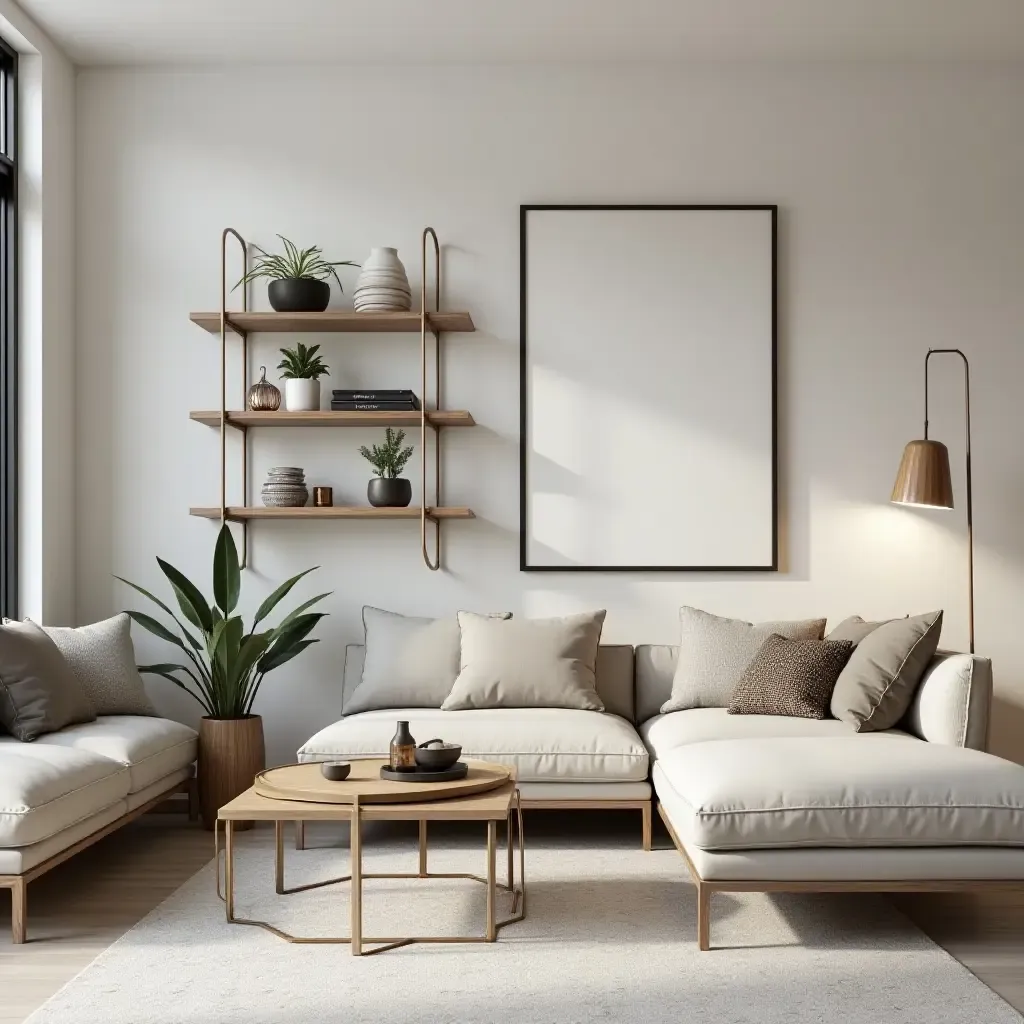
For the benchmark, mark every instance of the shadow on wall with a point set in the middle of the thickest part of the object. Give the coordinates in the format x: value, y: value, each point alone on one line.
x: 1006, y: 732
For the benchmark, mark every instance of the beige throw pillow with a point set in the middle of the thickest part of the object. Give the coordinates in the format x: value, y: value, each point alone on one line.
x: 877, y: 686
x: 408, y: 662
x: 854, y: 629
x: 39, y: 693
x: 102, y: 658
x: 528, y: 663
x: 714, y: 652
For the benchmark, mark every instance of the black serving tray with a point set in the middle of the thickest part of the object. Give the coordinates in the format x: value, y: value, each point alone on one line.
x: 459, y: 770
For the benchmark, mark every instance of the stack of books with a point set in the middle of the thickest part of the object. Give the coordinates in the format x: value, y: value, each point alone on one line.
x: 373, y: 401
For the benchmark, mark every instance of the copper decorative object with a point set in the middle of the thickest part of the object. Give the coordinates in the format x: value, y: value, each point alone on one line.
x: 323, y: 497
x: 263, y: 396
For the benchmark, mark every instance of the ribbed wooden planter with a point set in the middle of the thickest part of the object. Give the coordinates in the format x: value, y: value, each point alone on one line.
x: 231, y: 752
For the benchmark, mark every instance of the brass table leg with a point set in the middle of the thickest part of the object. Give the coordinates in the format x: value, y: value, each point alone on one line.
x: 508, y: 846
x: 229, y: 870
x: 492, y: 841
x: 423, y: 849
x: 356, y: 853
x: 279, y: 857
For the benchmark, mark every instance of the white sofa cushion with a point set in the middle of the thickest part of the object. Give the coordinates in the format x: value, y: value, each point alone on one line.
x: 697, y: 725
x: 866, y: 790
x: 150, y: 748
x: 45, y: 788
x: 544, y: 744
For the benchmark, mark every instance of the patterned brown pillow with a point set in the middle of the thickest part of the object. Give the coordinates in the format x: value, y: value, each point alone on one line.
x: 791, y: 677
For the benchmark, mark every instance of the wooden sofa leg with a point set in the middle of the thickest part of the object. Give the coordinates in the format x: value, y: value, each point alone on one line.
x: 19, y: 911
x: 647, y: 824
x: 703, y: 916
x: 300, y: 835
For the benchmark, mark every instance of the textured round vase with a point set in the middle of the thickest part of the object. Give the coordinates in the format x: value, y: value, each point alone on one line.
x: 382, y: 285
x: 299, y: 295
x: 301, y: 395
x: 285, y: 488
x: 385, y: 493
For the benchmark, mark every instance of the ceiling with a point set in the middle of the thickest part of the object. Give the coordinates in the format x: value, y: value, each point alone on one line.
x: 486, y: 31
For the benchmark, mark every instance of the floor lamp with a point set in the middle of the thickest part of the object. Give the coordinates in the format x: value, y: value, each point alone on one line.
x: 924, y: 480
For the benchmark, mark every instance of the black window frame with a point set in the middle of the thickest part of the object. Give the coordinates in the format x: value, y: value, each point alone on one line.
x: 9, y: 366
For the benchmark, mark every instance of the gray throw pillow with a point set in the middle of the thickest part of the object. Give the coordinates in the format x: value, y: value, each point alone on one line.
x: 791, y: 677
x: 528, y: 663
x: 714, y: 652
x: 855, y: 629
x: 877, y: 686
x: 39, y: 693
x: 102, y: 657
x: 408, y: 662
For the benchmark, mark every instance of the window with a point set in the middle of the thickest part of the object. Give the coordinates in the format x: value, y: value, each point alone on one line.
x: 8, y: 333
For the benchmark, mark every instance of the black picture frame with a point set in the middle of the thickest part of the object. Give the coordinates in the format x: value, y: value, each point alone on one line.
x: 524, y: 565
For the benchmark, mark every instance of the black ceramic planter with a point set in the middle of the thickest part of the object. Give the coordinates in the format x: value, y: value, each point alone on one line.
x: 299, y: 295
x: 385, y: 493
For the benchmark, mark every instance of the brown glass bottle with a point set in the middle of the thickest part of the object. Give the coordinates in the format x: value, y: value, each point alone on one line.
x: 403, y: 749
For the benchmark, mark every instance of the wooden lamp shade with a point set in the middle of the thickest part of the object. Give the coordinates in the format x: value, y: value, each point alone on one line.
x: 923, y: 477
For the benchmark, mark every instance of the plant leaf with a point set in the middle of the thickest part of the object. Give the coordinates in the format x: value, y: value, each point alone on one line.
x: 227, y: 580
x: 276, y: 658
x: 196, y: 646
x: 166, y: 671
x: 193, y: 604
x: 156, y: 628
x: 272, y: 601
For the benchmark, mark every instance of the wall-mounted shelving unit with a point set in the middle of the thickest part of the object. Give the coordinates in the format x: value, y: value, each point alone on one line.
x: 427, y: 322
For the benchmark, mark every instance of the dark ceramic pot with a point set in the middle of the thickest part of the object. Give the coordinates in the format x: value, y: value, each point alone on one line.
x: 299, y: 295
x: 385, y: 493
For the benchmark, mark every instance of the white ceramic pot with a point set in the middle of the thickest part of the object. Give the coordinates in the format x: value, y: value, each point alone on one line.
x: 301, y: 395
x: 382, y: 284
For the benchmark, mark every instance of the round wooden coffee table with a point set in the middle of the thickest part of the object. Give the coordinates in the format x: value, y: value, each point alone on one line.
x: 299, y: 793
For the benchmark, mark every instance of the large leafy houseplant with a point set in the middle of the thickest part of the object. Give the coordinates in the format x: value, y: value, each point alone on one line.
x: 225, y: 665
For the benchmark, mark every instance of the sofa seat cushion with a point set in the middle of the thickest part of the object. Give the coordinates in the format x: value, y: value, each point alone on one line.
x: 543, y: 744
x: 45, y: 788
x: 150, y: 748
x: 866, y: 790
x: 697, y: 725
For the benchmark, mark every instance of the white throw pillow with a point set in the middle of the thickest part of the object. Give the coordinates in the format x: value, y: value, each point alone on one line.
x: 714, y: 652
x: 528, y: 663
x: 102, y: 658
x: 408, y: 662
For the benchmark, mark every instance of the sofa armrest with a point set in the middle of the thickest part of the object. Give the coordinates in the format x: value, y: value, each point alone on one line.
x: 952, y: 702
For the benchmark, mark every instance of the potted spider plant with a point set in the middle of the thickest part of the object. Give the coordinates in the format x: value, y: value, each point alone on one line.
x: 298, y: 277
x: 302, y: 369
x: 225, y: 667
x: 387, y: 489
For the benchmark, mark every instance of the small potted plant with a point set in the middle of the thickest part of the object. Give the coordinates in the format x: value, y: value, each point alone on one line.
x: 302, y: 369
x: 298, y: 279
x: 387, y: 489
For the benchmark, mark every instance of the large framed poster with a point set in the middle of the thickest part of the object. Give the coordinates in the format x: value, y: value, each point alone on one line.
x: 648, y: 391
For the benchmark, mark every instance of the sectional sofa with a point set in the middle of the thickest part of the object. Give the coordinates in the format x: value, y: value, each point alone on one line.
x: 754, y: 802
x: 66, y: 790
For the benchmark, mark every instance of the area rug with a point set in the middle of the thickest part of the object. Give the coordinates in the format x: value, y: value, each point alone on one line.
x: 610, y: 935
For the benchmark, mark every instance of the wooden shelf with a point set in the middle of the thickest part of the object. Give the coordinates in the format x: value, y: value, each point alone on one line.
x: 327, y: 418
x: 333, y: 512
x: 334, y: 320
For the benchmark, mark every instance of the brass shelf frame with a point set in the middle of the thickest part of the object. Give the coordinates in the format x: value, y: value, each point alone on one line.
x: 432, y: 322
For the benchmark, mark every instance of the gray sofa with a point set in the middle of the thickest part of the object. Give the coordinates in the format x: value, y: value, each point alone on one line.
x: 755, y: 802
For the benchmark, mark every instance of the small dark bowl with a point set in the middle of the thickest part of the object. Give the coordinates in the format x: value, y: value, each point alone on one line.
x: 335, y: 771
x: 437, y: 759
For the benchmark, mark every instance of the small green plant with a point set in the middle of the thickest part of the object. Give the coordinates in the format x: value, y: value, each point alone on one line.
x: 389, y: 459
x: 301, y: 363
x: 226, y: 664
x: 295, y: 263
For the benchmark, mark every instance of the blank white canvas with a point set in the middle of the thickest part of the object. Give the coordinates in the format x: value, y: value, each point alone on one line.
x: 648, y: 373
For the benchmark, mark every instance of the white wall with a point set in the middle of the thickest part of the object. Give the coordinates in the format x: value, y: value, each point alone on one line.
x: 46, y: 83
x: 901, y: 227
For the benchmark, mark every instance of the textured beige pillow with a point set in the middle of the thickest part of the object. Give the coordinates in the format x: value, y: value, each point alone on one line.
x: 714, y: 652
x: 877, y: 686
x: 528, y: 663
x: 408, y: 662
x: 102, y: 658
x: 39, y: 693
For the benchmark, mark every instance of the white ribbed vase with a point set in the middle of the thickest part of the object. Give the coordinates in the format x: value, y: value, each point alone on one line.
x: 382, y: 286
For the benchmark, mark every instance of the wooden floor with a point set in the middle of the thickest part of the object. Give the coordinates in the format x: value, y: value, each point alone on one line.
x: 80, y: 908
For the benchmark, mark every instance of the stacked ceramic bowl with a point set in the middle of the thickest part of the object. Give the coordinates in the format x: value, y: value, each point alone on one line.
x: 382, y: 286
x: 285, y: 488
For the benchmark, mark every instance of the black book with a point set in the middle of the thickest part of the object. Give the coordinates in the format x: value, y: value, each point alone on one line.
x: 407, y: 397
x: 337, y: 406
x: 382, y: 393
